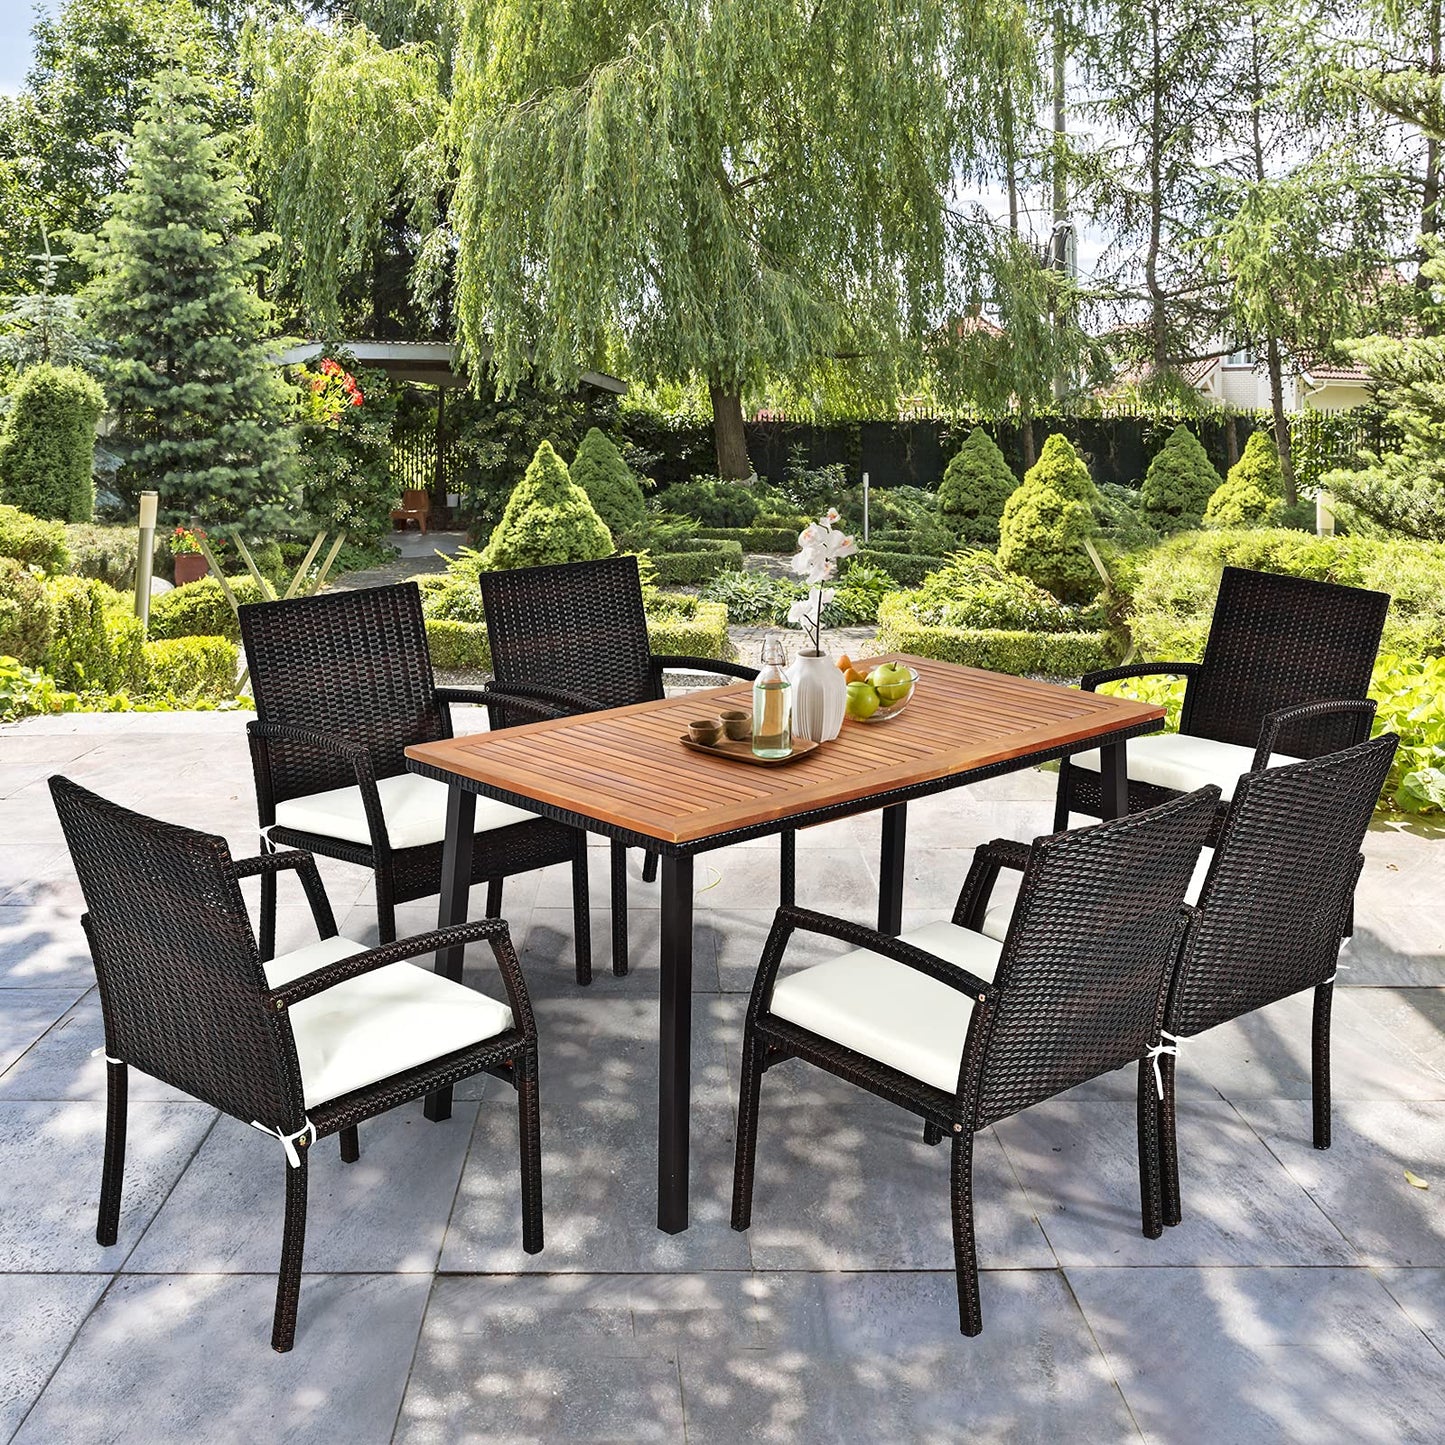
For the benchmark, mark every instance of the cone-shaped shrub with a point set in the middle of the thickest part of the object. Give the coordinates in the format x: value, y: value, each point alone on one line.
x: 599, y: 470
x: 547, y: 519
x: 48, y: 448
x: 1045, y: 522
x: 975, y: 486
x: 1179, y: 483
x: 1252, y: 495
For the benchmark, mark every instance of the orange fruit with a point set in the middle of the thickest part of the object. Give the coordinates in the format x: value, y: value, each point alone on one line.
x: 845, y: 663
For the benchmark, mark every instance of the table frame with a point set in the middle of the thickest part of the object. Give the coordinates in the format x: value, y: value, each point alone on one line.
x: 675, y: 993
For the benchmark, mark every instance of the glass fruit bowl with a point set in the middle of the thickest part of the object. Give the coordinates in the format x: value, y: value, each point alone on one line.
x: 888, y: 707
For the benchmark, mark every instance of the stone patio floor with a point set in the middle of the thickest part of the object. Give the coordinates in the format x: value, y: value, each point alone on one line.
x: 1303, y: 1297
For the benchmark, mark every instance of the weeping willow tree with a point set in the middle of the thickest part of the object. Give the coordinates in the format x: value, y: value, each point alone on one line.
x: 727, y: 189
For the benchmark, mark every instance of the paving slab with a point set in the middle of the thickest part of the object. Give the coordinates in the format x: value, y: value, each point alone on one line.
x: 26, y: 1017
x: 44, y: 947
x: 39, y: 1316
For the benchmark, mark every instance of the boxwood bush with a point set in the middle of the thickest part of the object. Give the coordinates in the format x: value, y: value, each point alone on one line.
x: 695, y: 560
x: 907, y: 569
x: 598, y: 468
x: 97, y: 643
x: 106, y: 553
x: 1047, y: 519
x: 1252, y: 494
x: 29, y: 540
x: 773, y: 537
x: 191, y: 669
x: 975, y: 486
x: 200, y: 609
x: 27, y: 615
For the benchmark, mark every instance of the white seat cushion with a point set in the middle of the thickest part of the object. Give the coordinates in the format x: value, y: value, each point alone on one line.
x: 1006, y: 894
x: 1184, y: 763
x: 415, y: 809
x: 380, y: 1023
x: 891, y: 1012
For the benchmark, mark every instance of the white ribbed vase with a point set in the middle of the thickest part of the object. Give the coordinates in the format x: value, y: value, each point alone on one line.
x: 819, y: 697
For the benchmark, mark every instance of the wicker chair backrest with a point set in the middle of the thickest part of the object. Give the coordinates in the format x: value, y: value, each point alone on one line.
x: 578, y: 626
x: 1273, y: 910
x: 1095, y: 935
x: 1277, y: 641
x: 353, y: 665
x: 181, y: 984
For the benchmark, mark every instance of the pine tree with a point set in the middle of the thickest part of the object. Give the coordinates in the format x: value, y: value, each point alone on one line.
x: 975, y: 486
x: 599, y: 469
x: 547, y: 519
x: 1046, y: 521
x: 1179, y: 483
x: 1252, y: 495
x: 174, y: 291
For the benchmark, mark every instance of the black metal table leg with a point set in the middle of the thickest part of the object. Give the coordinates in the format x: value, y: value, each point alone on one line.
x: 455, y: 893
x: 675, y: 1044
x: 890, y: 870
x: 1114, y: 780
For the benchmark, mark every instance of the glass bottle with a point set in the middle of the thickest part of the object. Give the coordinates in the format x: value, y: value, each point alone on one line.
x: 772, y: 705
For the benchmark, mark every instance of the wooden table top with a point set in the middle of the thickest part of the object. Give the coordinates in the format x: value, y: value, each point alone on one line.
x: 625, y: 767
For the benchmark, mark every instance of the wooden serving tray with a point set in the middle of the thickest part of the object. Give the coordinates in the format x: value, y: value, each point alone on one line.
x: 738, y: 751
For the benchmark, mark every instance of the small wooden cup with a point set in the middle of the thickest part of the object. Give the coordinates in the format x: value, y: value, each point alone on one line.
x: 737, y: 725
x: 705, y: 730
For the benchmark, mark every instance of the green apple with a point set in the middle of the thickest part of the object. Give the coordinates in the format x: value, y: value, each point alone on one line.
x: 891, y: 680
x: 862, y: 700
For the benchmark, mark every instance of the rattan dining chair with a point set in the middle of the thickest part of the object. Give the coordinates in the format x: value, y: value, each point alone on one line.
x: 575, y: 635
x: 963, y: 1030
x: 305, y: 1045
x: 343, y: 685
x: 1284, y: 675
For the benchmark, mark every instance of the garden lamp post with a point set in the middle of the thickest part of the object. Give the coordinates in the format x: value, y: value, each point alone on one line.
x: 144, y: 556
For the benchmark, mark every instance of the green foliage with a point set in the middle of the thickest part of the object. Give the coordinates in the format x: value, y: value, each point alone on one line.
x: 753, y: 598
x: 975, y: 486
x: 27, y: 617
x: 106, y: 553
x: 907, y: 569
x: 1029, y: 654
x: 48, y: 447
x: 29, y: 540
x: 1252, y: 495
x: 201, y: 406
x: 713, y: 502
x: 97, y: 641
x: 45, y: 328
x: 547, y: 519
x: 191, y: 669
x: 458, y: 646
x: 1124, y: 524
x: 1410, y: 692
x: 1179, y: 483
x: 26, y: 692
x: 598, y: 468
x: 973, y: 590
x: 776, y: 540
x: 699, y: 559
x: 200, y: 609
x: 1047, y: 520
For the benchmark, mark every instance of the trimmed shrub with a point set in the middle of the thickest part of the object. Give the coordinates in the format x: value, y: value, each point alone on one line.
x: 29, y: 540
x: 97, y: 643
x: 1180, y: 482
x: 107, y: 554
x: 200, y: 609
x: 972, y: 590
x: 975, y: 486
x: 1024, y: 654
x: 458, y: 646
x: 547, y: 519
x: 907, y: 569
x: 47, y: 454
x: 191, y: 669
x: 1252, y: 495
x: 714, y: 502
x: 1046, y: 521
x: 696, y: 560
x: 770, y: 538
x: 27, y: 616
x: 598, y: 468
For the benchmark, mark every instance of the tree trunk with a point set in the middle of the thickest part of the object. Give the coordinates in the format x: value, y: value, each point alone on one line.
x: 1281, y: 422
x: 1231, y: 439
x: 727, y: 429
x: 1026, y: 441
x: 439, y: 443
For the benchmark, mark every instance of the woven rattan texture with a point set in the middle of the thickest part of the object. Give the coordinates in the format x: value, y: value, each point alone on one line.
x: 352, y: 665
x: 1273, y: 910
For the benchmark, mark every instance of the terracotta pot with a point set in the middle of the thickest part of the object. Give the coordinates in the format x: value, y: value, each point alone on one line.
x: 190, y: 567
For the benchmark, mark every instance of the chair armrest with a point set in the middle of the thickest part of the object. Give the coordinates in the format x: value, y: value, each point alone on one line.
x: 304, y: 864
x: 676, y: 663
x: 1091, y: 680
x: 1363, y: 709
x: 977, y: 890
x: 493, y: 930
x: 490, y: 697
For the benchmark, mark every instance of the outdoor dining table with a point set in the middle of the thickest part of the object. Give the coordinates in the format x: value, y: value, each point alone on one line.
x: 624, y: 774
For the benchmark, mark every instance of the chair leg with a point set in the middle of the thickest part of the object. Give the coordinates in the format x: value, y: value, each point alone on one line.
x: 350, y: 1145
x: 932, y: 1134
x: 107, y: 1226
x: 747, y: 1145
x: 385, y: 908
x: 1169, y: 1145
x: 1146, y: 1111
x: 649, y: 867
x: 529, y: 1131
x: 1061, y: 798
x: 965, y: 1252
x: 494, y: 897
x: 582, y: 912
x: 619, y: 909
x: 788, y: 868
x: 293, y: 1246
x: 266, y: 943
x: 1324, y: 1000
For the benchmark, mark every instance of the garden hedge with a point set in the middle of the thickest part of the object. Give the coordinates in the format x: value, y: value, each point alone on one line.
x: 27, y: 615
x: 200, y: 609
x: 191, y: 669
x: 98, y: 642
x: 696, y: 559
x: 908, y: 569
x: 47, y: 450
x: 755, y: 539
x: 29, y: 540
x: 1024, y: 654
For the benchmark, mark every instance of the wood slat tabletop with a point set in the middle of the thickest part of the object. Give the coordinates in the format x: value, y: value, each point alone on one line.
x: 625, y: 767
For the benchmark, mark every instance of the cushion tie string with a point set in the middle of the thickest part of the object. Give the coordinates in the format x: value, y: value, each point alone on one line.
x: 1157, y: 1051
x: 288, y: 1141
x: 100, y: 1052
x: 1335, y: 974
